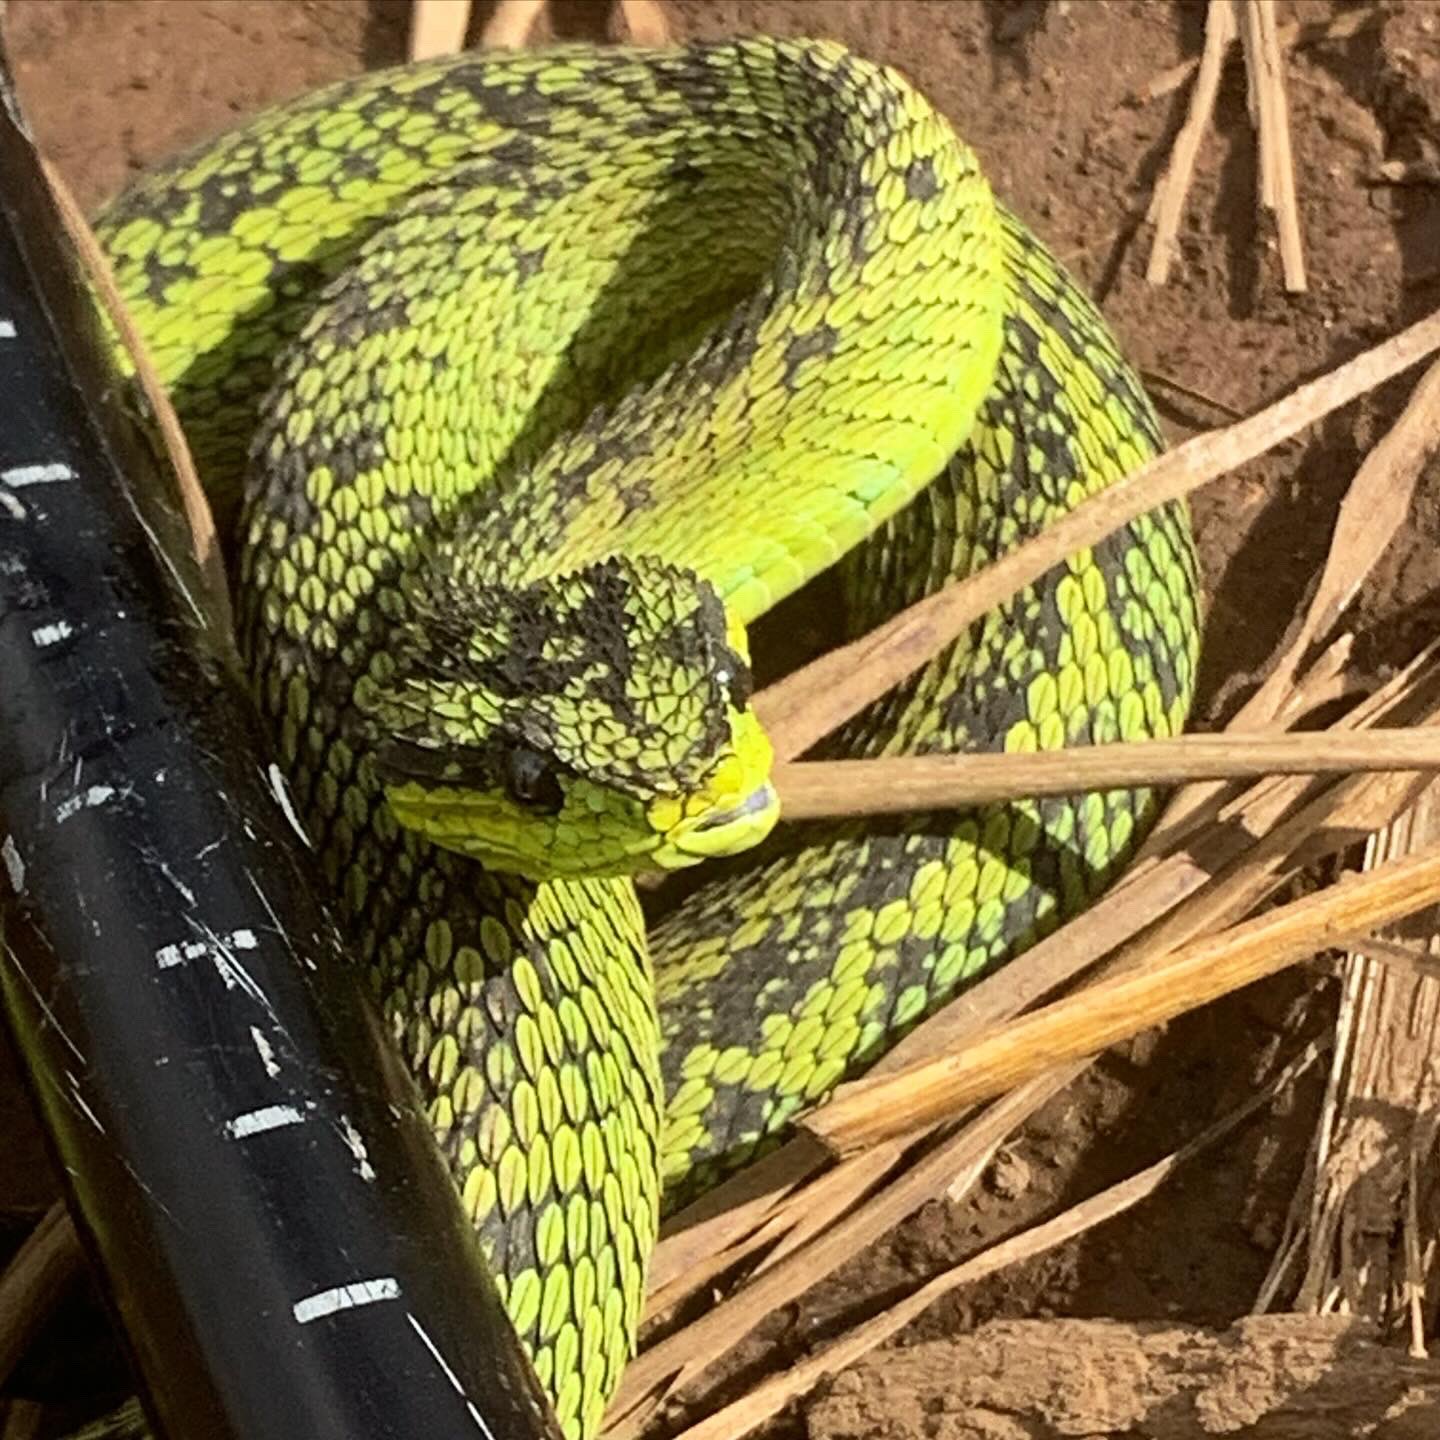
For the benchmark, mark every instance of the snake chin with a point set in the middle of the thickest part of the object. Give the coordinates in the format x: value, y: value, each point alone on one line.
x: 541, y: 822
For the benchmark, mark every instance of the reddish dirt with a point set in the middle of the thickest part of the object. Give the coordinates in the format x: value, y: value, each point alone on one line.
x: 1045, y: 92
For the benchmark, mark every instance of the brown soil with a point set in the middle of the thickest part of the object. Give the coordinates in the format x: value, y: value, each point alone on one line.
x: 1044, y: 92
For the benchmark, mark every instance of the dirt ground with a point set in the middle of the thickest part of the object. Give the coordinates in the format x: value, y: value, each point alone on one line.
x: 1046, y: 94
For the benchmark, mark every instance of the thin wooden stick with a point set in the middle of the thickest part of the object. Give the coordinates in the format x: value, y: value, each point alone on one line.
x: 34, y: 1282
x: 1374, y: 508
x: 811, y: 789
x: 1395, y: 955
x: 1270, y: 114
x: 645, y: 20
x: 510, y: 24
x: 192, y: 495
x: 437, y: 27
x: 871, y: 1111
x: 808, y: 704
x: 1175, y: 183
x: 1292, y: 36
x: 768, y: 1399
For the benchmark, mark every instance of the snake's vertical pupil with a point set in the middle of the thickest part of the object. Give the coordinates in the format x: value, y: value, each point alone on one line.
x: 530, y: 780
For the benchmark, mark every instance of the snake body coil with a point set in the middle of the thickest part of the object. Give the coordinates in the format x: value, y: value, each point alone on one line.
x: 555, y: 371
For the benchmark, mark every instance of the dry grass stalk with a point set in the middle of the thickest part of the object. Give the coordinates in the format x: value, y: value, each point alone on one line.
x: 1373, y: 1209
x: 1394, y: 955
x: 215, y: 607
x: 1102, y: 1015
x: 34, y: 1283
x: 1374, y: 508
x: 1270, y: 115
x: 1174, y: 186
x: 1292, y: 36
x: 645, y: 22
x: 811, y: 702
x: 437, y: 27
x: 811, y: 789
x: 769, y: 1398
x: 510, y: 23
x: 679, y: 1358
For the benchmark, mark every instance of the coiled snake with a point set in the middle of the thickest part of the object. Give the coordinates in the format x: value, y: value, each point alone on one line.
x: 555, y: 371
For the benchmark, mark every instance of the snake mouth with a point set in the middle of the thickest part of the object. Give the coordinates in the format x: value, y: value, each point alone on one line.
x: 729, y: 831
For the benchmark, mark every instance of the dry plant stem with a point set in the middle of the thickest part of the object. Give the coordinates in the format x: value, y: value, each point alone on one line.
x: 811, y: 702
x: 197, y: 508
x: 1365, y: 1233
x: 34, y: 1282
x: 1270, y: 115
x: 645, y: 21
x: 510, y: 24
x: 768, y: 1399
x: 1169, y: 204
x: 1410, y: 959
x: 680, y: 1357
x: 437, y: 27
x: 1376, y: 505
x: 814, y: 789
x: 1344, y: 25
x: 870, y: 1111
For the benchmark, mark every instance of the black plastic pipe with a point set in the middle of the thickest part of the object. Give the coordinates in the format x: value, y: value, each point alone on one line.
x: 244, y: 1155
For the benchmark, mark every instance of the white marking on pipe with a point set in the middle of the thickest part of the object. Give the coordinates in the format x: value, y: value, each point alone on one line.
x: 451, y: 1376
x: 266, y: 1051
x: 346, y: 1297
x: 12, y: 507
x: 87, y: 800
x: 45, y: 474
x: 257, y: 1122
x: 80, y: 1102
x: 7, y: 329
x: 14, y: 864
x: 355, y: 1142
x: 181, y: 888
x: 52, y: 634
x: 168, y: 956
x: 30, y: 985
x: 282, y: 793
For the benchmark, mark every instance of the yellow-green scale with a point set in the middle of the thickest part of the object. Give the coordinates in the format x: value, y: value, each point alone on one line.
x: 778, y: 272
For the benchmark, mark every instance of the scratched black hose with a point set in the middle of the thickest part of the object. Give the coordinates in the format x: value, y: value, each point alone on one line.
x: 248, y: 1165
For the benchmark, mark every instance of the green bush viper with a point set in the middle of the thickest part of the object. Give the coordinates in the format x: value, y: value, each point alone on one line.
x: 535, y: 379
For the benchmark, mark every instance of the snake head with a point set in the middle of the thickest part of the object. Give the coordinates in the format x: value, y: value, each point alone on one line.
x: 593, y: 723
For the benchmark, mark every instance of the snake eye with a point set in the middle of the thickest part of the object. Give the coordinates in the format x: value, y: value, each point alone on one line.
x: 530, y: 781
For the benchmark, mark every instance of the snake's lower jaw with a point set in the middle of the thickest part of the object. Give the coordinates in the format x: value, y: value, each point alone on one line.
x: 721, y: 832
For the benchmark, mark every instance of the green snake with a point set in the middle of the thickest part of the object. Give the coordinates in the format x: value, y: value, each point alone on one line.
x: 536, y: 379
